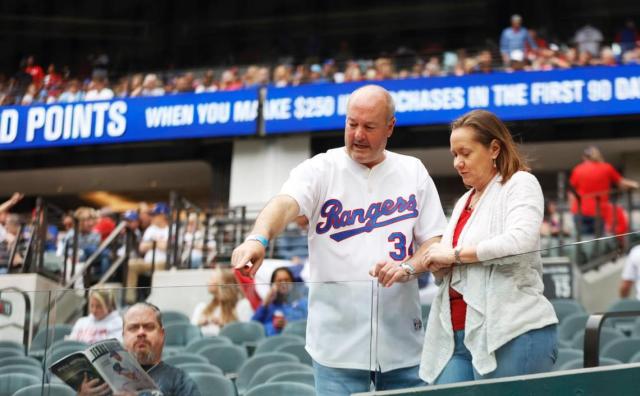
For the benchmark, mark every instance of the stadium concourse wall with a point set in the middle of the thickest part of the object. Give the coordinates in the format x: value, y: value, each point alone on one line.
x: 620, y: 380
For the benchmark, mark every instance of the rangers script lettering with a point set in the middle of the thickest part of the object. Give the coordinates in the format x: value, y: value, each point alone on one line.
x: 337, y: 218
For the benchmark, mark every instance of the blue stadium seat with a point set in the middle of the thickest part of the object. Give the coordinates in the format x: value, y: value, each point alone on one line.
x: 271, y: 344
x: 296, y: 327
x: 22, y: 368
x: 294, y: 376
x: 11, y: 360
x: 566, y: 355
x: 196, y: 345
x: 624, y: 324
x: 11, y: 352
x: 579, y: 363
x: 208, y: 382
x: 5, y: 344
x: 11, y: 383
x: 47, y: 336
x: 297, y: 350
x: 171, y: 317
x: 273, y: 369
x: 572, y: 325
x: 242, y: 333
x: 228, y: 357
x: 200, y: 368
x: 185, y: 357
x: 567, y: 307
x: 635, y: 358
x: 256, y: 362
x: 622, y: 349
x: 607, y: 335
x: 282, y: 388
x: 180, y: 334
x: 46, y: 390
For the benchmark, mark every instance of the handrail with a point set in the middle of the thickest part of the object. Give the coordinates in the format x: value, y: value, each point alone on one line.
x: 592, y: 335
x: 91, y: 260
x: 26, y: 327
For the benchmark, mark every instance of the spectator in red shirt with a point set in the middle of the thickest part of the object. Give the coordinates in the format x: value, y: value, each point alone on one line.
x: 592, y: 179
x: 105, y: 224
x: 35, y: 71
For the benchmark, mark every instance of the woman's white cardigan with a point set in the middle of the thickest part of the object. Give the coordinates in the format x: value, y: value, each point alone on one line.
x: 503, y: 292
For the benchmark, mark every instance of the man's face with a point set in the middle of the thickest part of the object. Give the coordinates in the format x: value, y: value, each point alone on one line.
x: 367, y: 128
x: 143, y: 337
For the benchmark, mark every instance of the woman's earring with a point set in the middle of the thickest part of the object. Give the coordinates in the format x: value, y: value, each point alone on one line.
x: 494, y: 162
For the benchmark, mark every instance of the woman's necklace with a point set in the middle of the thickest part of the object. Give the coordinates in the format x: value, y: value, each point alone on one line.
x: 475, y: 199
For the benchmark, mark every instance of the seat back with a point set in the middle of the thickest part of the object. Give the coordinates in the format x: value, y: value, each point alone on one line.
x: 228, y: 357
x: 185, y: 357
x: 10, y: 352
x: 294, y: 376
x: 579, y: 363
x: 607, y: 335
x: 22, y: 368
x: 271, y: 344
x: 180, y: 334
x: 255, y: 363
x: 196, y: 345
x: 207, y: 383
x: 567, y: 307
x: 622, y: 349
x: 282, y: 388
x: 571, y: 326
x: 47, y: 336
x: 200, y: 368
x: 273, y: 369
x: 243, y: 332
x: 6, y: 344
x: 46, y: 390
x: 565, y: 355
x: 296, y: 327
x: 11, y: 383
x: 11, y: 360
x: 171, y: 317
x: 297, y: 350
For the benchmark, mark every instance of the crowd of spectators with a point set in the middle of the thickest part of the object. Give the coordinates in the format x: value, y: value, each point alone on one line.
x: 519, y: 49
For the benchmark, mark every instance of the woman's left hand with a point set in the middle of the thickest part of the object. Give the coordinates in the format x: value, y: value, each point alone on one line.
x: 438, y: 257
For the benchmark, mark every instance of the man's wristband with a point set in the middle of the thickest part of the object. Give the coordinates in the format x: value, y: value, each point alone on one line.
x: 260, y: 238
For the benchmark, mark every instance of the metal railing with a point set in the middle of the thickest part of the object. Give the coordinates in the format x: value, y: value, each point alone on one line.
x: 592, y: 335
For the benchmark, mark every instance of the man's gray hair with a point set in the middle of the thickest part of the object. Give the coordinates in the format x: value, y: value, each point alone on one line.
x: 147, y: 305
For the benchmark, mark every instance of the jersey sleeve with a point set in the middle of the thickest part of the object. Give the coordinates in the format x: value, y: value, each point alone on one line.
x: 431, y: 220
x: 302, y: 185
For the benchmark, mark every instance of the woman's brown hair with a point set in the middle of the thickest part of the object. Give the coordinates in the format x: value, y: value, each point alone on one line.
x: 226, y: 296
x: 488, y: 127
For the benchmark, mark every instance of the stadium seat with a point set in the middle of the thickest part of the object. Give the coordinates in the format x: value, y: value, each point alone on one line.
x: 180, y: 334
x: 296, y: 327
x: 46, y: 390
x: 185, y: 357
x: 4, y: 344
x: 571, y: 326
x: 228, y: 357
x: 9, y: 351
x: 579, y: 363
x: 256, y: 362
x: 565, y: 355
x: 635, y: 332
x: 635, y: 358
x: 208, y: 382
x: 625, y: 324
x: 171, y: 317
x: 11, y: 360
x: 22, y: 368
x: 607, y: 335
x: 200, y: 368
x: 196, y: 345
x: 47, y: 336
x: 243, y: 333
x: 270, y: 370
x: 271, y: 344
x: 282, y: 388
x: 622, y: 349
x: 301, y: 377
x: 58, y: 353
x: 68, y: 344
x: 11, y: 383
x: 567, y: 307
x: 297, y: 350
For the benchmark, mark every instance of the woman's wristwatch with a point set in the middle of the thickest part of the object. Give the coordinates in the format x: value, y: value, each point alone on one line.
x: 456, y: 255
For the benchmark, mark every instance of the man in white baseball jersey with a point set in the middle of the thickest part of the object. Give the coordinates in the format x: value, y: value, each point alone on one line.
x: 631, y: 274
x: 365, y: 205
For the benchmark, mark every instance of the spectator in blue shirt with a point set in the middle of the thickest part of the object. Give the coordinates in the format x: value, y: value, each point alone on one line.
x: 283, y: 303
x: 514, y: 38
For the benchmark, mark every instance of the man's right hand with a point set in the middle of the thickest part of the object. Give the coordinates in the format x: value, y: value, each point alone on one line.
x: 93, y: 387
x: 247, y: 257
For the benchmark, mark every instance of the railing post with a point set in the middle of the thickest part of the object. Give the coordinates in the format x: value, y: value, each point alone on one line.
x: 205, y: 241
x: 128, y: 241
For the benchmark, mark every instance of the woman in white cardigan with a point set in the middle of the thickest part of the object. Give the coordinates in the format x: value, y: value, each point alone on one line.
x: 489, y: 318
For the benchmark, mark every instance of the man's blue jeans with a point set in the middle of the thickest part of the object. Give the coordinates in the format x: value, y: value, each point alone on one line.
x: 532, y: 352
x: 342, y: 382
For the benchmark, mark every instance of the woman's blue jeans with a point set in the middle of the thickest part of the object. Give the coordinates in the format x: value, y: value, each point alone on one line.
x: 532, y: 352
